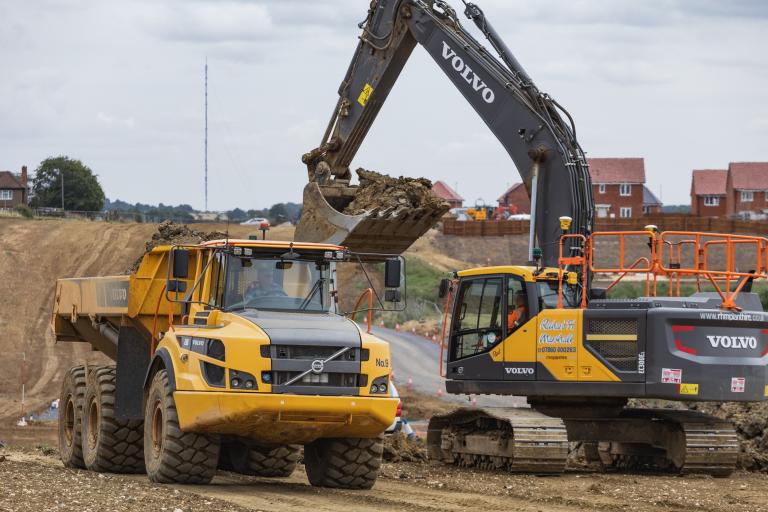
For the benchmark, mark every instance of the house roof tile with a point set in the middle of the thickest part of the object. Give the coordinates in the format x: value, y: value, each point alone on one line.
x: 442, y: 190
x: 9, y: 180
x: 709, y: 182
x: 613, y: 171
x: 649, y: 198
x: 749, y: 175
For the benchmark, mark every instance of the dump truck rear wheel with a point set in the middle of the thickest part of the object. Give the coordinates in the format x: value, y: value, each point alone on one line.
x: 173, y: 456
x: 349, y: 463
x: 70, y: 418
x: 274, y: 461
x: 109, y: 444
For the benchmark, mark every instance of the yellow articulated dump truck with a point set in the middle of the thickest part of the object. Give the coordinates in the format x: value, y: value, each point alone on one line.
x: 229, y: 354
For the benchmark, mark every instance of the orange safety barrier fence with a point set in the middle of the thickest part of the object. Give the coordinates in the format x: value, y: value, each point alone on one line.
x: 666, y: 260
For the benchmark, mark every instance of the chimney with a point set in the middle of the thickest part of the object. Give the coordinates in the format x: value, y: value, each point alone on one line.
x: 25, y: 192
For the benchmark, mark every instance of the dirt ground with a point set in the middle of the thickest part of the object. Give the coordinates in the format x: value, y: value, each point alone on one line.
x: 33, y: 254
x: 32, y: 481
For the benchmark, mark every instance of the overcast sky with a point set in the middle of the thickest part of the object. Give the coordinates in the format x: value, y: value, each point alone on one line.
x: 119, y: 85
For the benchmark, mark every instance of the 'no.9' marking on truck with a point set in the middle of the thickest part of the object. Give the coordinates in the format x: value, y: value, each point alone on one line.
x: 382, y: 363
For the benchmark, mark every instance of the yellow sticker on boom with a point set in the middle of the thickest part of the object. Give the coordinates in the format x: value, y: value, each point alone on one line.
x: 766, y: 391
x: 365, y: 94
x: 689, y: 389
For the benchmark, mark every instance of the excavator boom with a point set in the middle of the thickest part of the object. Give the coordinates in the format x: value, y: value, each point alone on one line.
x: 526, y: 121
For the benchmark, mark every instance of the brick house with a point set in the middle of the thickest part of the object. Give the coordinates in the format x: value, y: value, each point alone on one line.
x: 13, y: 188
x: 651, y: 204
x: 442, y: 190
x: 516, y: 199
x: 617, y: 186
x: 708, y: 191
x: 747, y: 188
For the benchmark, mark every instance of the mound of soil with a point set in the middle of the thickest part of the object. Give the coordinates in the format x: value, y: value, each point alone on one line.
x: 399, y: 448
x: 170, y: 233
x: 380, y: 191
x: 751, y: 422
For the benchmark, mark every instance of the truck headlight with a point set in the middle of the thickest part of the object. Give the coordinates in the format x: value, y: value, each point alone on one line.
x: 380, y: 385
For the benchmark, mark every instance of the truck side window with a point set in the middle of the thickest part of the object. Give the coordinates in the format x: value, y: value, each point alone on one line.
x: 517, y: 304
x: 217, y: 279
x: 478, y: 317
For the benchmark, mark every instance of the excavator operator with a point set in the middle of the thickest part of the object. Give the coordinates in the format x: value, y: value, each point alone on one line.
x: 518, y: 313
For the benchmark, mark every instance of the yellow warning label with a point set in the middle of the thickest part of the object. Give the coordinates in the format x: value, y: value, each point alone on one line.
x: 766, y: 391
x: 365, y: 94
x: 689, y: 389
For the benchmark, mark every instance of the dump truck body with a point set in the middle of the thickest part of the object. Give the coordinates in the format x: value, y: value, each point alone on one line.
x: 248, y: 337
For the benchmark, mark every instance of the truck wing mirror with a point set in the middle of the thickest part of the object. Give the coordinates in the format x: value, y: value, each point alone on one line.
x: 392, y: 270
x: 445, y: 285
x: 180, y: 268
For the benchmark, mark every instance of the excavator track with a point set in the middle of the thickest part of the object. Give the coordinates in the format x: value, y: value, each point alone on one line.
x: 683, y: 442
x: 511, y: 439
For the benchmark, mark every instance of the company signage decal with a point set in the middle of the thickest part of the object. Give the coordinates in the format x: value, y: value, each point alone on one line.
x: 733, y: 342
x: 469, y: 76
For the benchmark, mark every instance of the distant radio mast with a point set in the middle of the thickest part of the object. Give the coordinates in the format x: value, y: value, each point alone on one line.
x: 206, y: 134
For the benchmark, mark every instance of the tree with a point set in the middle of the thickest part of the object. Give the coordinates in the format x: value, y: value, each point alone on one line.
x: 81, y: 188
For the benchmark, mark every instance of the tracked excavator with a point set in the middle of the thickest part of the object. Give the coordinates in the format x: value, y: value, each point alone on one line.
x: 544, y: 329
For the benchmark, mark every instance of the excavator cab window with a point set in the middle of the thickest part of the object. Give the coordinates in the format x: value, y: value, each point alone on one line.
x: 478, y: 324
x: 517, y: 304
x: 548, y: 291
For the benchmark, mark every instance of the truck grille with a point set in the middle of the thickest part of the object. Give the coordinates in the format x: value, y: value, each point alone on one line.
x: 344, y: 380
x: 341, y: 376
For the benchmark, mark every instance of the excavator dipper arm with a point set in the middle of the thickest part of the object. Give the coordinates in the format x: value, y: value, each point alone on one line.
x: 527, y: 122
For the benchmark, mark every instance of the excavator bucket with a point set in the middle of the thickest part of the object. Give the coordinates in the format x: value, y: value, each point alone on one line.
x: 385, y: 228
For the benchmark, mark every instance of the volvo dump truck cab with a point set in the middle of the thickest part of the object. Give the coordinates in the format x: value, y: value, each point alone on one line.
x: 228, y: 354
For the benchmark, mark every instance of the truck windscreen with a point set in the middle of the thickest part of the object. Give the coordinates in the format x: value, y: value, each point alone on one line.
x: 275, y: 284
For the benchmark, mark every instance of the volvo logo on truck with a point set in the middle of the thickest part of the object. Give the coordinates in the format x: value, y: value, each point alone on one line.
x: 467, y: 74
x: 733, y: 342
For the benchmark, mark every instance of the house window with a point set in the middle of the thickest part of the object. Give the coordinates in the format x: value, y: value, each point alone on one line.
x: 601, y: 188
x: 6, y: 195
x: 711, y: 201
x: 625, y: 213
x: 747, y: 196
x: 625, y: 189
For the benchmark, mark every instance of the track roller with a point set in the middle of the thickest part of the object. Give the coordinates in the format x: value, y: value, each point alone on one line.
x: 510, y: 439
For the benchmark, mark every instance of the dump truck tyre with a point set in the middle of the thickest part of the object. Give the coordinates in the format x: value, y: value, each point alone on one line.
x: 110, y: 445
x: 70, y: 418
x: 348, y: 463
x: 170, y: 455
x: 275, y: 461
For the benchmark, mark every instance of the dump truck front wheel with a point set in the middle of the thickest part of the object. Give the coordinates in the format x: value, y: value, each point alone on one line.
x: 109, y: 444
x: 173, y: 456
x: 273, y: 461
x: 70, y: 418
x: 347, y: 462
